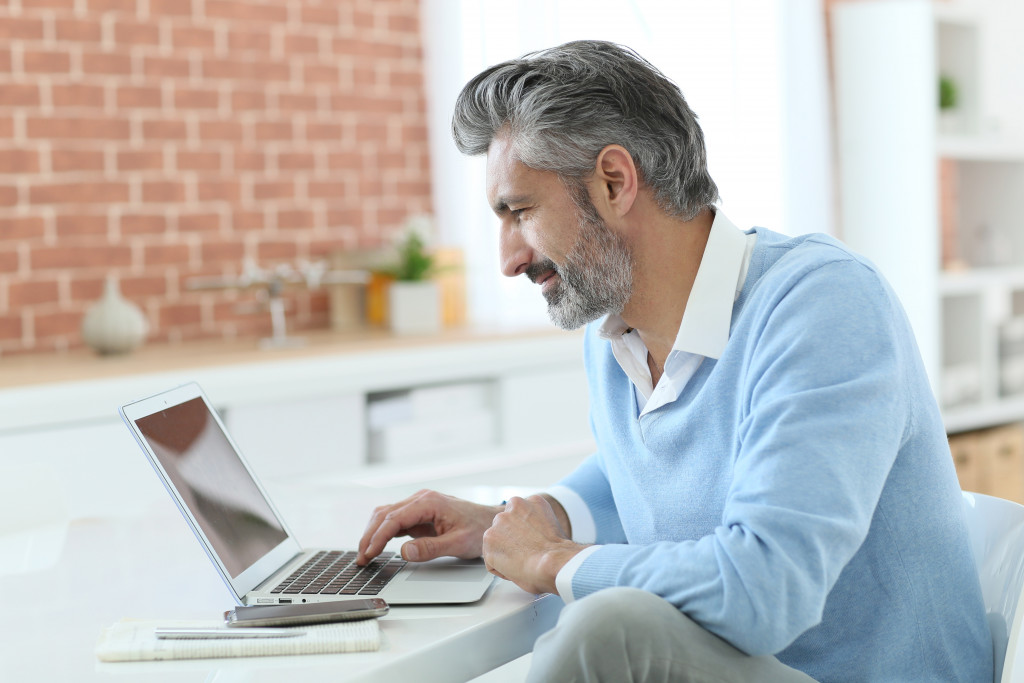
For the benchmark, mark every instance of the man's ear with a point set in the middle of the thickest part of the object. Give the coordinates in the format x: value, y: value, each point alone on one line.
x: 616, y: 181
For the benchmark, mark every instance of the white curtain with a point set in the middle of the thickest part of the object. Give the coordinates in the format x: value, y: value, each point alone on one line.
x: 754, y: 71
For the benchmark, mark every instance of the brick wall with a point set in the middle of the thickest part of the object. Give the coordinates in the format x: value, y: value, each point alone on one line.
x: 159, y: 140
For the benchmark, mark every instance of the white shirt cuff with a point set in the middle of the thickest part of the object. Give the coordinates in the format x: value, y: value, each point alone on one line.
x: 563, y: 581
x: 582, y: 522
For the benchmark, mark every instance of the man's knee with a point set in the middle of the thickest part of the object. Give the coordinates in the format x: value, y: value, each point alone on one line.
x: 611, y: 635
x: 611, y: 613
x: 628, y: 634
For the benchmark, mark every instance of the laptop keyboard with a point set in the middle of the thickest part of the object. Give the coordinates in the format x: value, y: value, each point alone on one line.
x: 336, y: 573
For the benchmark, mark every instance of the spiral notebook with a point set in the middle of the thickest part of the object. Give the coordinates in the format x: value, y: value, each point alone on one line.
x: 132, y: 641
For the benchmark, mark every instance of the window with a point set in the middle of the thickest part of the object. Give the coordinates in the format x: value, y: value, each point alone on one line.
x: 754, y: 71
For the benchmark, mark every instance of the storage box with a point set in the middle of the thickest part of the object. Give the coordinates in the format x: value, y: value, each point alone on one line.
x: 991, y: 461
x: 428, y: 421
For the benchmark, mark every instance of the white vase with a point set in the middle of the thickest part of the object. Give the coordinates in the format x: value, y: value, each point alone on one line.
x: 414, y: 307
x: 113, y: 324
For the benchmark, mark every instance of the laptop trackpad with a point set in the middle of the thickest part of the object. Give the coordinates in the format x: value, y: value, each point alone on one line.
x: 445, y: 573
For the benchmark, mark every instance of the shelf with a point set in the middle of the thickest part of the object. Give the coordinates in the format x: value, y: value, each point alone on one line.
x: 895, y: 148
x: 981, y: 148
x: 976, y: 280
x: 981, y: 415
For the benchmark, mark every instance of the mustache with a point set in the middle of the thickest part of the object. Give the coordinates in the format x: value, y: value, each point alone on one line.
x: 536, y: 270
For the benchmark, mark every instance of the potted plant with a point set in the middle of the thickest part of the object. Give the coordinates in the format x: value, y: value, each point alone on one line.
x: 414, y: 302
x: 949, y: 100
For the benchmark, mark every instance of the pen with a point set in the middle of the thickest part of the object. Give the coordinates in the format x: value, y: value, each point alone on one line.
x: 217, y: 633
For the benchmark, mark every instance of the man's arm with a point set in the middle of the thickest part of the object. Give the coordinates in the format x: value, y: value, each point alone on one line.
x: 827, y: 388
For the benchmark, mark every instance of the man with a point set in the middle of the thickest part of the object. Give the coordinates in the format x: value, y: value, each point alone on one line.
x: 772, y: 498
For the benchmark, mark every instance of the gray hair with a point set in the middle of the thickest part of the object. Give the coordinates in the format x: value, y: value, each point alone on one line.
x: 562, y: 106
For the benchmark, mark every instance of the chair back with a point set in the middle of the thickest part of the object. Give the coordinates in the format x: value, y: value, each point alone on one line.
x: 996, y: 529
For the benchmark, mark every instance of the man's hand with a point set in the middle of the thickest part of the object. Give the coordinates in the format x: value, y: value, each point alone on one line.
x: 441, y: 525
x: 527, y: 545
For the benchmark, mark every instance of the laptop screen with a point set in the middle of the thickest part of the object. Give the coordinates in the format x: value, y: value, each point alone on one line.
x: 213, y: 482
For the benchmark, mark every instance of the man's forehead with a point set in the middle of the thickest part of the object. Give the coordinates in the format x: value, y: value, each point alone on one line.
x: 504, y: 173
x: 501, y: 160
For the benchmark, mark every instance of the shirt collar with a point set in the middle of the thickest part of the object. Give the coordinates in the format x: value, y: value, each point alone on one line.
x: 704, y: 329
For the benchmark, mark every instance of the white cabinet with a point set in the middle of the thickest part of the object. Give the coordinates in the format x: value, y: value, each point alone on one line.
x: 411, y: 406
x: 343, y: 410
x: 937, y: 201
x: 483, y: 403
x: 546, y: 406
x: 414, y: 424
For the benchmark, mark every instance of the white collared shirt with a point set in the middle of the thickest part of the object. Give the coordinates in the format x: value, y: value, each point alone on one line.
x: 703, y: 333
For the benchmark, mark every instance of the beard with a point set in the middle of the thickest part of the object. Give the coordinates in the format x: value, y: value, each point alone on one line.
x: 596, y: 278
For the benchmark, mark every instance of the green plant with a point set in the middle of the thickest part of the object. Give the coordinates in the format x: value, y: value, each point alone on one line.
x: 947, y: 93
x: 415, y: 263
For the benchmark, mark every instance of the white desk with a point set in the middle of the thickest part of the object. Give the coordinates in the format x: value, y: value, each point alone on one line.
x: 148, y: 565
x: 128, y: 554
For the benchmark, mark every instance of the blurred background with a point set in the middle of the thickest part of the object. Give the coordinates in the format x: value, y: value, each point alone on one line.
x: 203, y: 161
x: 262, y: 196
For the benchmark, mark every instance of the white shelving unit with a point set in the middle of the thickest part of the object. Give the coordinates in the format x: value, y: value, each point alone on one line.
x: 963, y: 291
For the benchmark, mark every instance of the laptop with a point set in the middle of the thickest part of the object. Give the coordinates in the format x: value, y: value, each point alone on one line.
x: 244, y: 535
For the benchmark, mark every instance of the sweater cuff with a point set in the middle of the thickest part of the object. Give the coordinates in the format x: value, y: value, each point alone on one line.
x: 584, y: 531
x: 601, y: 570
x: 563, y: 581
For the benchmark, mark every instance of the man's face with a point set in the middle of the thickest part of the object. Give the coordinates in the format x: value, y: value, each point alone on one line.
x: 584, y: 267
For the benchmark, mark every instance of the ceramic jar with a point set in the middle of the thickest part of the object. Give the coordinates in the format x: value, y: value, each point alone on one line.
x: 414, y: 307
x: 114, y: 325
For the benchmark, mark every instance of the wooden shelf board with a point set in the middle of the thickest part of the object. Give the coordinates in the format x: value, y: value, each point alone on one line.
x: 977, y: 280
x: 981, y: 148
x: 24, y: 370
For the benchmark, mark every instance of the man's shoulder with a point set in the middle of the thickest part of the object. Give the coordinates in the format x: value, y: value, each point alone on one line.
x: 784, y: 257
x: 812, y: 246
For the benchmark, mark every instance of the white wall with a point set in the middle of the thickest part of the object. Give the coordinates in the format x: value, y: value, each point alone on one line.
x: 754, y: 71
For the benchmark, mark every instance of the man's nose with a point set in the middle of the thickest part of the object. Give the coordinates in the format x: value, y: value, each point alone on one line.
x: 515, y: 254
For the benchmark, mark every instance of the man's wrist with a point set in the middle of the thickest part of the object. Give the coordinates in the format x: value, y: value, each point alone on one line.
x: 567, y: 574
x: 553, y: 559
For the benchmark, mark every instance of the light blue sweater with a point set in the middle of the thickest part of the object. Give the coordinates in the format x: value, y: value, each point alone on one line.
x: 798, y: 498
